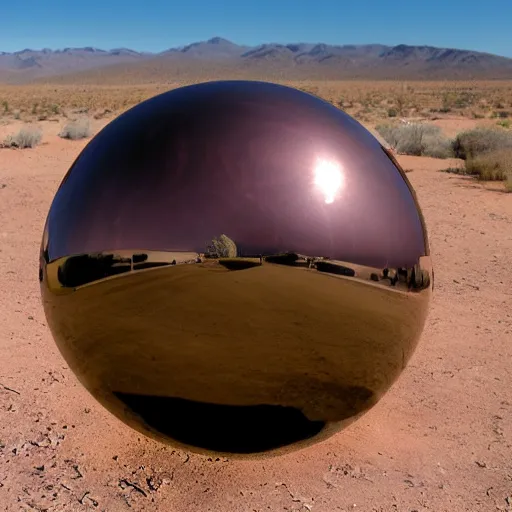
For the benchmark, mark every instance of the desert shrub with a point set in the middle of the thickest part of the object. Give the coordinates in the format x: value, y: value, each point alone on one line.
x: 392, y: 112
x: 491, y: 166
x: 389, y: 132
x: 463, y: 100
x: 447, y: 104
x: 77, y: 129
x: 27, y: 137
x: 472, y: 143
x: 416, y: 139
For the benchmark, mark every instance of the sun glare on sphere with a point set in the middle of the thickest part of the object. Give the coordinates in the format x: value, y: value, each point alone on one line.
x: 329, y: 179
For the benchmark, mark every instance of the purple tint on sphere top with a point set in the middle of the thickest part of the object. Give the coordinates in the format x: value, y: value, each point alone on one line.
x: 272, y: 167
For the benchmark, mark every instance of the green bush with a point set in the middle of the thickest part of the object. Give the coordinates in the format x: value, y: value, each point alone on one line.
x: 417, y: 139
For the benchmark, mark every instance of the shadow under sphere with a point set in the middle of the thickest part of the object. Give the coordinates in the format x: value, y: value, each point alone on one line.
x: 236, y: 267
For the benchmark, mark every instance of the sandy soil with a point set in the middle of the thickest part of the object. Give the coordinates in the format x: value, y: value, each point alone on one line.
x: 451, y: 126
x: 440, y: 440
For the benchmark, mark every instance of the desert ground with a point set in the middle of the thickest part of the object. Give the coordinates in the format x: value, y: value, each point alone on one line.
x: 440, y: 440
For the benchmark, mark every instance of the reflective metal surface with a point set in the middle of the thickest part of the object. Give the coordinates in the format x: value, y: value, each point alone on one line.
x: 236, y: 267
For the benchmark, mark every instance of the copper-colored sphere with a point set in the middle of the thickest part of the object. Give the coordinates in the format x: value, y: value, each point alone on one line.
x: 236, y: 267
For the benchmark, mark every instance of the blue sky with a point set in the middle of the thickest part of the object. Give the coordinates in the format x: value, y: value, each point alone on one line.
x: 484, y: 25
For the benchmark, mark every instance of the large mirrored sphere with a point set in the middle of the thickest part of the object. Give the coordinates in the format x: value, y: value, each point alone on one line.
x: 236, y: 267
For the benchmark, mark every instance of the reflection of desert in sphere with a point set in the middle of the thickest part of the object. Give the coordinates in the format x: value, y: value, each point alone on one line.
x: 247, y: 273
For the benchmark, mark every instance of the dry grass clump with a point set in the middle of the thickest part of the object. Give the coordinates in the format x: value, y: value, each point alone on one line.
x: 416, y: 139
x: 487, y: 153
x: 76, y: 129
x: 27, y: 137
x: 504, y: 123
x: 492, y: 166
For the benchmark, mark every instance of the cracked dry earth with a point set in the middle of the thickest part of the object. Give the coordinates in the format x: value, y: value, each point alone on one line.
x: 440, y: 440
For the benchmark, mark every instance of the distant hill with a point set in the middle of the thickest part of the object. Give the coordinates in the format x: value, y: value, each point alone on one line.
x: 219, y: 57
x: 216, y: 48
x: 28, y: 64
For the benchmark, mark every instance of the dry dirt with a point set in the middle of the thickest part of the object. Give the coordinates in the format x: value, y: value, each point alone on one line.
x: 440, y: 440
x: 452, y: 126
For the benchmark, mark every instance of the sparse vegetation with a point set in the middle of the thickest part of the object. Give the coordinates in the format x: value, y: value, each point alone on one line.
x: 447, y: 103
x: 401, y: 100
x: 468, y: 98
x: 27, y: 137
x: 417, y: 139
x: 77, y: 129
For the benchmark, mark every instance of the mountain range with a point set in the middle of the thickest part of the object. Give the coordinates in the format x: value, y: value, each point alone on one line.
x: 220, y: 57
